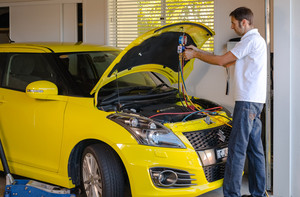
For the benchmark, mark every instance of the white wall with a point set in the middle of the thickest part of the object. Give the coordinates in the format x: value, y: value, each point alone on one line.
x: 295, y: 97
x: 56, y: 20
x: 208, y: 81
x: 43, y: 21
x: 282, y: 98
x: 286, y: 98
x: 31, y: 23
x: 94, y: 21
x: 69, y: 22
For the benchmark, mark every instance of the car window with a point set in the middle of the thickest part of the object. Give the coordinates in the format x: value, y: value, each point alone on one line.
x: 137, y: 79
x: 132, y: 80
x: 23, y: 69
x: 2, y: 65
x: 87, y: 68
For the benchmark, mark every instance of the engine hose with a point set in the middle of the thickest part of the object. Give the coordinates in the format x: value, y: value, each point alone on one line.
x: 183, y: 87
x: 185, y: 91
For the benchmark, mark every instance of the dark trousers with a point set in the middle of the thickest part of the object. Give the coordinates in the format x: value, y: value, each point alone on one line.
x: 245, y: 139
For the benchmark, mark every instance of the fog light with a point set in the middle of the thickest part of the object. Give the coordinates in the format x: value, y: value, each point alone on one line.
x: 167, y: 178
x: 171, y: 178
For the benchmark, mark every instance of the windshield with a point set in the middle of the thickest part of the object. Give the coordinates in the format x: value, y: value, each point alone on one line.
x: 86, y: 68
x: 133, y: 80
x: 131, y: 88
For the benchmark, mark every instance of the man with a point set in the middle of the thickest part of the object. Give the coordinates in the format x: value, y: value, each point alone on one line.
x: 250, y: 58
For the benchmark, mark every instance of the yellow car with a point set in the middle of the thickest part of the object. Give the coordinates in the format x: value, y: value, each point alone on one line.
x: 106, y: 122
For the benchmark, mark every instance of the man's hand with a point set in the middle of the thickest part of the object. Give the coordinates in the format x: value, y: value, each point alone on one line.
x: 190, y: 52
x: 193, y: 48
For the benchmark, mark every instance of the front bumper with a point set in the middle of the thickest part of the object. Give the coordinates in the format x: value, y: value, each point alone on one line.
x: 139, y: 159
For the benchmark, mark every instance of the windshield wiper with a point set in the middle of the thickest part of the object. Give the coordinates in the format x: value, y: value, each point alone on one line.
x: 123, y: 90
x: 138, y: 98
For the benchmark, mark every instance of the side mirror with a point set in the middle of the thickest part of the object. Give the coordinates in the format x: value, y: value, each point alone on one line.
x: 41, y: 89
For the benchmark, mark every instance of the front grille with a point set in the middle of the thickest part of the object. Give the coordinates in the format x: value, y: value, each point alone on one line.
x: 214, y: 172
x: 209, y: 138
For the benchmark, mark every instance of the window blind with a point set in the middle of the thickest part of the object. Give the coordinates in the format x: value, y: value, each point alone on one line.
x: 129, y: 19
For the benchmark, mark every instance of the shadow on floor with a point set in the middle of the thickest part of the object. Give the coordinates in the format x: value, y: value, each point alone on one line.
x: 219, y: 192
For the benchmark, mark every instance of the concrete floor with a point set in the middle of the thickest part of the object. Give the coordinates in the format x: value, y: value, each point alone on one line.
x: 219, y: 192
x: 215, y: 193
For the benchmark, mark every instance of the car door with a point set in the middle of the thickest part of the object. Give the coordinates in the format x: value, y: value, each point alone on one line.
x: 30, y: 129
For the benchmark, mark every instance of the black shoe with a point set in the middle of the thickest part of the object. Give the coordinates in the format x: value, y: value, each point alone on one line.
x: 246, y: 195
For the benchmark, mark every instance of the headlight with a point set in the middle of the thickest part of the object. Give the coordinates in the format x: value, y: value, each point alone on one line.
x: 147, y: 131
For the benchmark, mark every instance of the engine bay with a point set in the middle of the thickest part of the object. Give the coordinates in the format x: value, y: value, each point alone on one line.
x: 166, y: 108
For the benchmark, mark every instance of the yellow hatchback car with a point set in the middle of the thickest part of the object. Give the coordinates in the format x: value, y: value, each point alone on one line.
x: 106, y: 122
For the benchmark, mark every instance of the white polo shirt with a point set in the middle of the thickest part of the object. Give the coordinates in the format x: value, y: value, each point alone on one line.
x: 250, y: 77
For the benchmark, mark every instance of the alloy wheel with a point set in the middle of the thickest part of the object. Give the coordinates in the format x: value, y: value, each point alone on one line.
x: 91, y: 176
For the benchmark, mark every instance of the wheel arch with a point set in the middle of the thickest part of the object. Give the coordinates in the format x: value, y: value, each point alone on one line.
x: 75, y: 160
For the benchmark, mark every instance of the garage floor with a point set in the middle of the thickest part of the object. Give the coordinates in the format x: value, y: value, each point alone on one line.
x: 215, y: 193
x: 219, y: 192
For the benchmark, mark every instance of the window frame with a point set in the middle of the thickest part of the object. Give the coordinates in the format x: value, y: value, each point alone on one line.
x: 124, y: 14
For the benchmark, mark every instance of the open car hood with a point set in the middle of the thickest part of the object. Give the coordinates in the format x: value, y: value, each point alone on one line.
x: 156, y: 51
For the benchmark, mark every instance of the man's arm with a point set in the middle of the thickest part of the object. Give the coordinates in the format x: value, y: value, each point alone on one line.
x: 225, y: 60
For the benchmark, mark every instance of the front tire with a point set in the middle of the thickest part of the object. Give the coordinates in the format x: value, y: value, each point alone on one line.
x: 101, y: 172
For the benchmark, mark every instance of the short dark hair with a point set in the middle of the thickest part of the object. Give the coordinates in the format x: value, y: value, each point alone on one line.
x: 242, y: 13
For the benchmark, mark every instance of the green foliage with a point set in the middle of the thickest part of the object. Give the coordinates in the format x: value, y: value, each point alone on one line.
x: 152, y: 14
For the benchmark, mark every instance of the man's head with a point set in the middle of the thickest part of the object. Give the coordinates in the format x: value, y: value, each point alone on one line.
x: 241, y: 20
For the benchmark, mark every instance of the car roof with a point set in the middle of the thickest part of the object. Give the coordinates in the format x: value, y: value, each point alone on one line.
x: 53, y: 47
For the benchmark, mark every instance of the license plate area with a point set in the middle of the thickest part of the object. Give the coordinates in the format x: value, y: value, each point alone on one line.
x: 213, y: 156
x: 221, y: 153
